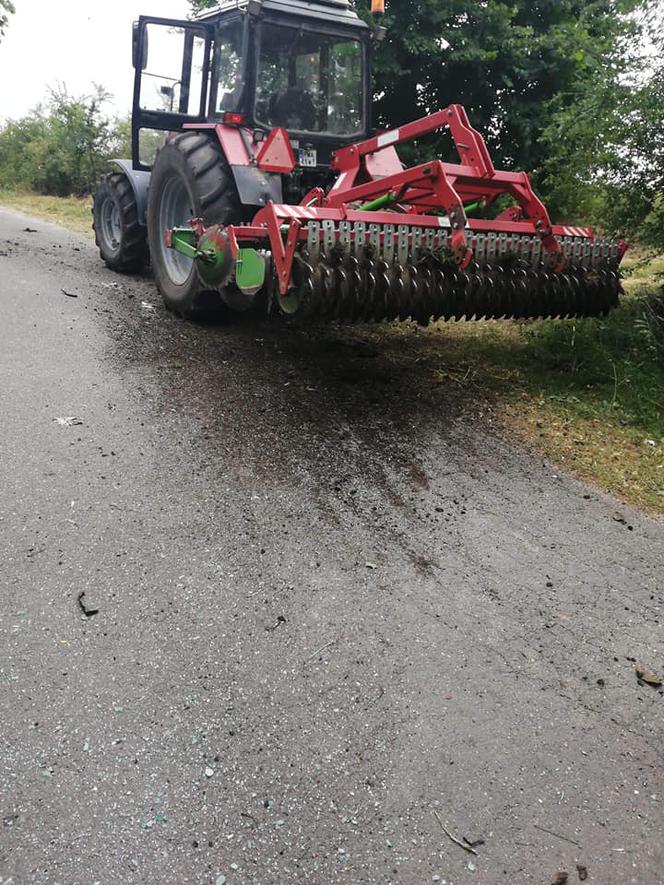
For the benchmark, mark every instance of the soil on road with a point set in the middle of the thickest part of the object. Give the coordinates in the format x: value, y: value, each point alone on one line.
x: 337, y: 611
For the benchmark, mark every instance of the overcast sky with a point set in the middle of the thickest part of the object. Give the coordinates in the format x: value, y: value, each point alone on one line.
x: 72, y: 42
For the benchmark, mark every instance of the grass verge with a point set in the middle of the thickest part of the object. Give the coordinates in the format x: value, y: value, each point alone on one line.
x: 70, y: 212
x: 587, y: 393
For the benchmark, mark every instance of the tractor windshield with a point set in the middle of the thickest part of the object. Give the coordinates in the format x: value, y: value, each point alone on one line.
x: 309, y: 82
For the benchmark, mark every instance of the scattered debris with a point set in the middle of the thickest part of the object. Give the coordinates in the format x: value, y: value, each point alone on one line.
x: 159, y: 818
x: 618, y: 517
x: 371, y: 565
x: 220, y: 880
x: 118, y: 709
x: 645, y: 674
x: 69, y: 294
x: 582, y: 870
x: 147, y: 305
x: 321, y: 649
x: 560, y: 878
x: 280, y: 620
x: 209, y: 772
x: 71, y: 421
x: 30, y: 230
x: 459, y: 842
x: 650, y: 442
x: 557, y: 835
x: 88, y: 612
x: 471, y: 866
x: 474, y: 843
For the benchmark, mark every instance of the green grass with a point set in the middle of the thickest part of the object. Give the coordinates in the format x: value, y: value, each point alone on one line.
x: 587, y: 393
x: 70, y: 212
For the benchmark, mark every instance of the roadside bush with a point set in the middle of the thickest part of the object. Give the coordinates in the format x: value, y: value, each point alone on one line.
x: 60, y: 148
x: 652, y: 230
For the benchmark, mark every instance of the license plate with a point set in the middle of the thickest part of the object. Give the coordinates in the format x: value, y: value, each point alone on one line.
x: 308, y: 158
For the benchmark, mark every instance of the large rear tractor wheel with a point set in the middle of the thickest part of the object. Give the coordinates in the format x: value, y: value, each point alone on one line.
x: 122, y: 241
x: 191, y: 179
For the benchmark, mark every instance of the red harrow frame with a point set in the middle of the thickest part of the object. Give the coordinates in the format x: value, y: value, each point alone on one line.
x: 387, y: 242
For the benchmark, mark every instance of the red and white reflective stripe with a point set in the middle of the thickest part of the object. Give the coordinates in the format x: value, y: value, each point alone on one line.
x: 296, y: 212
x: 577, y: 231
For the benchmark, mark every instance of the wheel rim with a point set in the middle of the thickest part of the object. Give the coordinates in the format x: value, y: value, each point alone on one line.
x: 111, y: 224
x: 175, y: 210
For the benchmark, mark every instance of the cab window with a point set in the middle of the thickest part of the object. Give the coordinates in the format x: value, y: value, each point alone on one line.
x: 309, y: 82
x: 229, y: 67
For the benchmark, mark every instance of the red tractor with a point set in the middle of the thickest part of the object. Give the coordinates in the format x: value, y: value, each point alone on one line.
x: 256, y: 178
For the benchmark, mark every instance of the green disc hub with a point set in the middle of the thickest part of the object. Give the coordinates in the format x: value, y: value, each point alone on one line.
x: 214, y: 260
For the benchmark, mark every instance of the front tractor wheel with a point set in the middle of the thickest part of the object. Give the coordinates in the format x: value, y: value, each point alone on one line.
x: 191, y: 179
x: 120, y: 237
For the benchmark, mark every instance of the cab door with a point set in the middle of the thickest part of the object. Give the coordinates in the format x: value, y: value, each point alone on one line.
x: 171, y: 60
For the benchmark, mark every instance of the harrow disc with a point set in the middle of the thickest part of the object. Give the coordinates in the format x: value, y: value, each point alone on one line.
x: 358, y: 272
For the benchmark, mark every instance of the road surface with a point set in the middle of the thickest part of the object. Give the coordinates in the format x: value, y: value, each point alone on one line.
x: 337, y: 611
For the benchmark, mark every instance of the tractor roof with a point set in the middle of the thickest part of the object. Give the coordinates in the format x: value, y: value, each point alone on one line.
x: 335, y: 11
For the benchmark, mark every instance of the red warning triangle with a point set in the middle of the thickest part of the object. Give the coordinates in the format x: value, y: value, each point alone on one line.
x: 276, y: 153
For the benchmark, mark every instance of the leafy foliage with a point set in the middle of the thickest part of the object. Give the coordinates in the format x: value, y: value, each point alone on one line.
x: 198, y: 6
x: 605, y: 148
x: 60, y: 149
x: 7, y: 8
x: 504, y: 61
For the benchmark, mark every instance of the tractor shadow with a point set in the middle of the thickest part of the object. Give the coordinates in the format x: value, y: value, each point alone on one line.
x: 287, y: 398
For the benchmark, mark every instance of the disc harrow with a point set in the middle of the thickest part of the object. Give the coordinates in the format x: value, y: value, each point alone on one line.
x: 388, y: 243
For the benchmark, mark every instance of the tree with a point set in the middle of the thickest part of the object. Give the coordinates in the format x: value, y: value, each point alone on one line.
x: 504, y: 61
x: 198, y: 6
x: 62, y: 147
x: 605, y: 146
x: 7, y: 8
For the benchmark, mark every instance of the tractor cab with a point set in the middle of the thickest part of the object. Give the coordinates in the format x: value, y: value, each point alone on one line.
x: 255, y: 66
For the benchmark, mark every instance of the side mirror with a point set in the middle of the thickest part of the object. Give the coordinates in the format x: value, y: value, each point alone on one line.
x: 139, y: 59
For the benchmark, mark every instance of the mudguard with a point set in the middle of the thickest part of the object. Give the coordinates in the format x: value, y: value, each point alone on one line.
x: 140, y: 182
x: 255, y: 187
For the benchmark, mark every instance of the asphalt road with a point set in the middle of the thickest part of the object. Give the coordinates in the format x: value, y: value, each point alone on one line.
x: 337, y: 611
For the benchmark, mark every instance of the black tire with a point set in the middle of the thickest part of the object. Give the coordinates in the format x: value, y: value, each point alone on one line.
x: 122, y: 241
x: 190, y: 179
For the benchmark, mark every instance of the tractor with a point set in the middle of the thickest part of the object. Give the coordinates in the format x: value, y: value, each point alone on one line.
x: 257, y: 181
